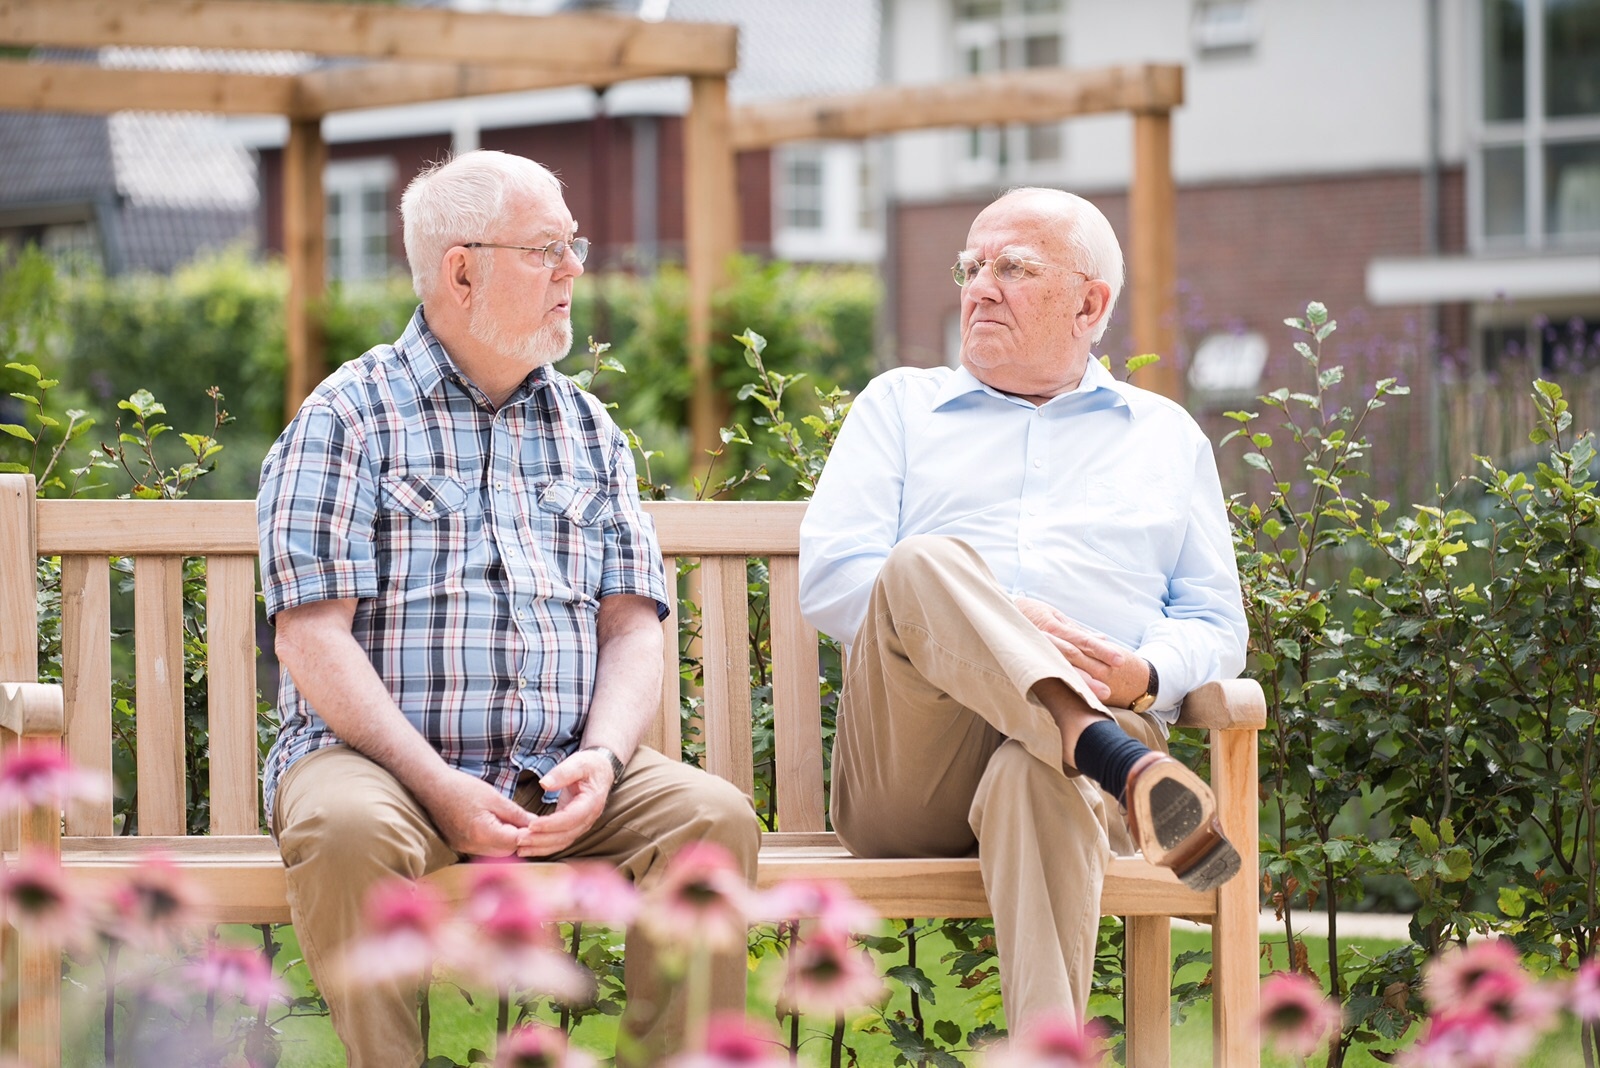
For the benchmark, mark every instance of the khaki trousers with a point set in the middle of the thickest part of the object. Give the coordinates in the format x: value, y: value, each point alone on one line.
x: 343, y: 823
x: 942, y: 749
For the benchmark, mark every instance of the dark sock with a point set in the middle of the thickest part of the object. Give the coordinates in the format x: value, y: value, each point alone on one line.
x: 1106, y: 754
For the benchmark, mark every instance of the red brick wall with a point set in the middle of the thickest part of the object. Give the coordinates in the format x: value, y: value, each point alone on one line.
x: 594, y: 160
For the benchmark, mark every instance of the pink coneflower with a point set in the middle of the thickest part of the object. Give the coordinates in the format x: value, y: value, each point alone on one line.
x: 538, y: 1045
x: 153, y: 907
x: 1296, y: 1017
x: 506, y: 941
x: 827, y: 976
x: 830, y: 903
x: 702, y: 901
x: 1472, y: 1039
x: 1050, y: 1042
x: 1583, y: 996
x: 735, y: 1042
x: 40, y: 775
x: 600, y: 894
x: 404, y: 929
x: 1488, y: 978
x: 38, y: 898
x: 237, y: 971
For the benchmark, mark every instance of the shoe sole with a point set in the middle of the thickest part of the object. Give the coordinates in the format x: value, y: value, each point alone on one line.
x: 1173, y: 816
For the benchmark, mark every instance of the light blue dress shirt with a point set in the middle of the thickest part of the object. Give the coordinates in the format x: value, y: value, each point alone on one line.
x: 1103, y: 502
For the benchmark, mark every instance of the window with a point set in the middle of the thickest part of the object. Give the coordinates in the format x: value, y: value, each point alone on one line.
x: 358, y: 195
x: 802, y: 189
x: 1001, y: 35
x: 1224, y: 27
x: 1535, y: 170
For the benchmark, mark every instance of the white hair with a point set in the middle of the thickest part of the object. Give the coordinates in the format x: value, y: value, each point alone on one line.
x: 1091, y: 238
x: 463, y: 199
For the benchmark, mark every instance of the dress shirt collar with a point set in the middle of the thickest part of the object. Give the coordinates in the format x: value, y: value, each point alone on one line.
x: 1097, y: 390
x: 432, y: 366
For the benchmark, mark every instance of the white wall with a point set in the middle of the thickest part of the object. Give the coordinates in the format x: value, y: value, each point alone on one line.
x: 1328, y: 87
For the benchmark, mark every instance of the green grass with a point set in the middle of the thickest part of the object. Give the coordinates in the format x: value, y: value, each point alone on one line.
x: 459, y: 1026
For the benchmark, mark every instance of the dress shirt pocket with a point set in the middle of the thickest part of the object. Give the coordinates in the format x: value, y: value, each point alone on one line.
x: 571, y: 531
x: 423, y: 525
x: 1136, y: 524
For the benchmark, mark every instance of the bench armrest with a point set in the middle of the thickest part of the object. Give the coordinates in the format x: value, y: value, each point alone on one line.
x: 1234, y: 704
x: 32, y: 709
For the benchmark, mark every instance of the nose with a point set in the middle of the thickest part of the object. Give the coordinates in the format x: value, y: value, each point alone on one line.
x: 570, y: 266
x: 981, y: 284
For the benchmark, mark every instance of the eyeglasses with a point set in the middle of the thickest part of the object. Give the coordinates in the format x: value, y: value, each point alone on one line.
x: 554, y: 252
x: 1007, y: 267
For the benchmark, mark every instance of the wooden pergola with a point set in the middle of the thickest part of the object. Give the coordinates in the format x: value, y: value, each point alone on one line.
x: 1148, y: 92
x: 397, y: 56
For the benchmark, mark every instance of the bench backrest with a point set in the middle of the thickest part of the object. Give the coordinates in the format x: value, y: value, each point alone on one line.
x: 158, y: 537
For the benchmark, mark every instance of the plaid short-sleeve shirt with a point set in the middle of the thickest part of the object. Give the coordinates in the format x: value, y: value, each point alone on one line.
x: 478, y: 544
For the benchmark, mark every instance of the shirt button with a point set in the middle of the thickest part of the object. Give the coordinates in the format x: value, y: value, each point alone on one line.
x: 511, y: 550
x: 522, y: 613
x: 521, y: 682
x: 501, y: 486
x: 1027, y: 545
x: 427, y: 506
x: 1038, y: 463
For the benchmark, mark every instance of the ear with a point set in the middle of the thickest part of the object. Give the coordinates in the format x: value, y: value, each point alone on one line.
x: 458, y: 276
x: 1096, y: 302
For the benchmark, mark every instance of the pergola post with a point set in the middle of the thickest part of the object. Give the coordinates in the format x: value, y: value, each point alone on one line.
x: 711, y: 230
x: 1153, y: 272
x: 305, y: 253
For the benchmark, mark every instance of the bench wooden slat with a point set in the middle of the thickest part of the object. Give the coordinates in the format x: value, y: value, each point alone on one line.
x: 1235, y: 976
x: 798, y: 740
x: 725, y: 648
x: 231, y: 693
x: 735, y: 528
x: 1147, y: 988
x: 86, y: 680
x: 131, y: 528
x: 158, y: 691
x: 665, y: 733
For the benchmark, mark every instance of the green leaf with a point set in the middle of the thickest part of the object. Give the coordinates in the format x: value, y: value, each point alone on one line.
x: 1143, y: 360
x: 1316, y: 313
x: 18, y: 432
x: 1511, y: 902
x: 7, y: 468
x: 26, y: 368
x: 914, y: 980
x: 1261, y: 440
x: 1457, y: 865
x: 1426, y: 839
x: 948, y: 1030
x: 1256, y: 460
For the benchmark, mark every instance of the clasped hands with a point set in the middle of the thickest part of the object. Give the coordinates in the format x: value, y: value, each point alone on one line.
x: 478, y: 820
x: 1117, y: 676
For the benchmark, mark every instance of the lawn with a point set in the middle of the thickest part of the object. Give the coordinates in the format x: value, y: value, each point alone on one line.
x: 458, y: 1027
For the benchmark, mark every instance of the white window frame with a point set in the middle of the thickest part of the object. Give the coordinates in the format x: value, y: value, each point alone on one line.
x: 349, y: 179
x: 841, y: 238
x: 1534, y: 132
x: 1015, y: 25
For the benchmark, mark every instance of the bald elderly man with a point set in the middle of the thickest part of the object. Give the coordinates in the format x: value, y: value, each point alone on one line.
x: 1031, y: 564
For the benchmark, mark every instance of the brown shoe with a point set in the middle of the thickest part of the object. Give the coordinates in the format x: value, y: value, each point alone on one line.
x: 1172, y: 818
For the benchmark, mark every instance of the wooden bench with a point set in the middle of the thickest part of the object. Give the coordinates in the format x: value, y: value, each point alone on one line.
x: 238, y: 867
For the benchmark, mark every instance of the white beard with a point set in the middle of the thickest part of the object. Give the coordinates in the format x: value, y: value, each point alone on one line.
x: 545, y: 345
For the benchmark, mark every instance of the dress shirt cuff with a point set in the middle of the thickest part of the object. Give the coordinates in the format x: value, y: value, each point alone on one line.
x: 1170, y: 688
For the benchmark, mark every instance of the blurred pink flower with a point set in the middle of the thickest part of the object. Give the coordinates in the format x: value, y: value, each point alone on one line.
x: 1583, y: 996
x: 830, y: 903
x: 538, y: 1045
x: 40, y: 775
x: 702, y: 901
x: 1050, y: 1042
x: 37, y: 898
x: 827, y: 976
x: 1296, y: 1016
x: 404, y: 929
x: 153, y: 906
x: 237, y: 971
x: 505, y: 939
x: 598, y: 893
x: 1488, y: 1011
x: 1471, y: 1039
x: 735, y: 1042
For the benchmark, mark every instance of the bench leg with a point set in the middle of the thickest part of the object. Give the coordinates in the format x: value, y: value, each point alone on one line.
x: 1235, y: 936
x: 1148, y: 988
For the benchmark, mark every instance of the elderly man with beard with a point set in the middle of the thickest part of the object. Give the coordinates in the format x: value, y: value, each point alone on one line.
x: 467, y: 599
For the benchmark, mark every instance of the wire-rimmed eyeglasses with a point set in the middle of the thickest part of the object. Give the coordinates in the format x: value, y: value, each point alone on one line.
x: 1007, y: 267
x: 554, y: 252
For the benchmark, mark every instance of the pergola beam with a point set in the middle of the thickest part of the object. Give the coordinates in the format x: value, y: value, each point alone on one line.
x: 371, y: 85
x: 567, y: 43
x: 1018, y: 96
x: 85, y: 89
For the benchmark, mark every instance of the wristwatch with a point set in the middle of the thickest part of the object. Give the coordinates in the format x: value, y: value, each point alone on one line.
x: 1143, y: 702
x: 617, y: 767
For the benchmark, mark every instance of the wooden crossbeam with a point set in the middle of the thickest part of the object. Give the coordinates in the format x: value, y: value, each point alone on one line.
x: 371, y: 85
x: 554, y: 42
x: 83, y: 89
x: 1016, y: 96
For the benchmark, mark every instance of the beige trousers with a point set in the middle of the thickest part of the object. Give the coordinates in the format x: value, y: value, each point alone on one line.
x: 943, y: 749
x: 343, y: 823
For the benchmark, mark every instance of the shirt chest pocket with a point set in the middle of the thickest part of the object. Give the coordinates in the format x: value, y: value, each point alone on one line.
x: 426, y: 528
x: 1138, y: 525
x: 570, y: 522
